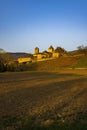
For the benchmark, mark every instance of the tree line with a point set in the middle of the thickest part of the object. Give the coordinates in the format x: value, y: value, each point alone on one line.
x: 8, y: 63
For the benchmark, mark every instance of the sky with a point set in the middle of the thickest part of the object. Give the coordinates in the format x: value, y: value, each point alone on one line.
x: 26, y: 24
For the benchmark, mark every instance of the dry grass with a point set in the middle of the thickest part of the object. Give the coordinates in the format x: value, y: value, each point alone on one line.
x: 32, y: 99
x: 54, y: 64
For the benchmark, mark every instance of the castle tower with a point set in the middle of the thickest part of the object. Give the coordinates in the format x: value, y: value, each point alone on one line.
x: 36, y: 50
x: 50, y: 49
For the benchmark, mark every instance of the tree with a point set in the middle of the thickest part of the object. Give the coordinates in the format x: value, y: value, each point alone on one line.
x: 2, y: 50
x: 4, y: 59
x: 61, y: 50
x: 82, y: 49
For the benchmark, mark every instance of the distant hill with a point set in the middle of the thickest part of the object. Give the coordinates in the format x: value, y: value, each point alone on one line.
x: 16, y: 55
x: 80, y: 51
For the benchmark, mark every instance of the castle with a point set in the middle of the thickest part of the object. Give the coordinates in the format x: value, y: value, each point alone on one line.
x: 51, y: 53
x: 45, y: 55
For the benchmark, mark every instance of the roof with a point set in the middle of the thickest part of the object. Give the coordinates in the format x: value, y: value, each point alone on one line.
x: 36, y: 48
x: 51, y: 47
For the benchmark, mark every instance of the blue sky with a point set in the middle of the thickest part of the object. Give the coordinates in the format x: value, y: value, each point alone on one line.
x: 25, y: 24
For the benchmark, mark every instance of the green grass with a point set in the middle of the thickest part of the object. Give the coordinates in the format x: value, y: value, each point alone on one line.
x: 81, y: 63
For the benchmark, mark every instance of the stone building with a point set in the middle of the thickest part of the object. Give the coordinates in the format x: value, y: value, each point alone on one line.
x: 36, y: 50
x: 55, y: 54
x: 47, y: 54
x: 24, y: 60
x: 51, y: 53
x: 41, y: 55
x: 51, y: 49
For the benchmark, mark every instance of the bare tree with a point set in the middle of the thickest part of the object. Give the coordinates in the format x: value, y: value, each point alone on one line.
x: 2, y: 50
x: 82, y: 49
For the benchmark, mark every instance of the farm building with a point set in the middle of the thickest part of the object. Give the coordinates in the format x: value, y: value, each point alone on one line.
x: 24, y: 60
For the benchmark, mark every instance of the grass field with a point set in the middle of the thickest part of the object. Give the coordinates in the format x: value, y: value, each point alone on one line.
x: 81, y: 63
x: 58, y: 63
x: 43, y: 100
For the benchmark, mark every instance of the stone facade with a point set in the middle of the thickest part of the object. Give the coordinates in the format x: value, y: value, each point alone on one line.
x: 56, y: 54
x: 50, y: 49
x: 24, y: 60
x: 36, y: 50
x: 45, y: 55
x: 51, y: 53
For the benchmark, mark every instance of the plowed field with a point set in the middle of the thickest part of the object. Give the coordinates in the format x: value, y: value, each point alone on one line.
x: 43, y: 100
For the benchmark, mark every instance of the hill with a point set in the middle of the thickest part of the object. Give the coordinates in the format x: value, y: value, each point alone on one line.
x: 55, y: 64
x: 71, y: 60
x: 19, y: 54
x: 81, y: 63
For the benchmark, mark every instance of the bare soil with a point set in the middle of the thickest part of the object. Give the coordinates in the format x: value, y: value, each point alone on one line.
x: 31, y: 99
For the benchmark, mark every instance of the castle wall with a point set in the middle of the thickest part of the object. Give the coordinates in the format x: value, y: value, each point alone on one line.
x: 26, y: 59
x: 55, y: 55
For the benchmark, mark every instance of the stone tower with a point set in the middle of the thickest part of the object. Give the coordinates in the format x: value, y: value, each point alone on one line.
x: 36, y: 50
x: 50, y: 49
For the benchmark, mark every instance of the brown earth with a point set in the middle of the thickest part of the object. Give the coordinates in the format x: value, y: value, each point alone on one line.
x: 55, y: 64
x: 42, y: 98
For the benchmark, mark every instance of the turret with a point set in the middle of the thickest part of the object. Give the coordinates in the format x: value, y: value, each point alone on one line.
x: 36, y: 50
x: 50, y: 49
